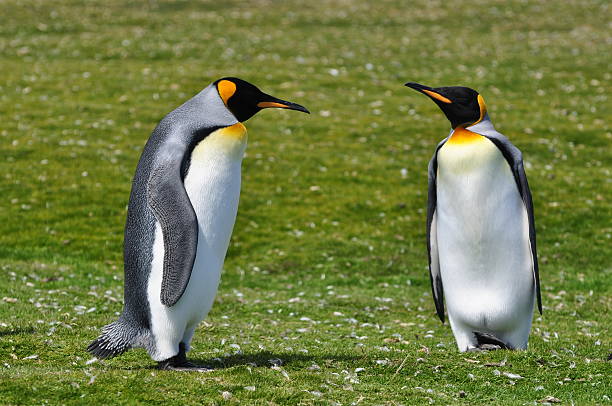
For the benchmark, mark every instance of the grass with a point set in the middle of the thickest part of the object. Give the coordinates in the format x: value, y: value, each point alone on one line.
x: 325, y: 293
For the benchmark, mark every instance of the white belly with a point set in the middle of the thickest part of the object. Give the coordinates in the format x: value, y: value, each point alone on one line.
x: 483, y: 239
x: 213, y: 186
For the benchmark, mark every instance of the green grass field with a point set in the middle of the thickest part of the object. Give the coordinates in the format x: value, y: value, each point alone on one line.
x: 325, y: 296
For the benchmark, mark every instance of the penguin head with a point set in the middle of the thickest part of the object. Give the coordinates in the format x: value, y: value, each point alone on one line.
x: 244, y: 99
x: 462, y: 106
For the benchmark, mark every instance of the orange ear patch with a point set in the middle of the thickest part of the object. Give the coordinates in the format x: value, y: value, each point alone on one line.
x: 437, y: 96
x: 226, y: 90
x: 483, y: 108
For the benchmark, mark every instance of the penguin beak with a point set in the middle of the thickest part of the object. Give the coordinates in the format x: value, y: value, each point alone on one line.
x: 428, y: 91
x: 273, y: 102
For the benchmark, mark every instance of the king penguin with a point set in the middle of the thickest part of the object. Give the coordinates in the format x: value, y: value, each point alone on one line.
x: 480, y: 228
x: 181, y: 213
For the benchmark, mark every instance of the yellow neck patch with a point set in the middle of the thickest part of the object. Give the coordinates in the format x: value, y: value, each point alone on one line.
x: 226, y: 90
x: 226, y: 142
x: 463, y: 136
x: 237, y: 131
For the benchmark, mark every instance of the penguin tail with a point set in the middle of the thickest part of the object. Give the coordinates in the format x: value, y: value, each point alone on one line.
x: 489, y: 341
x: 116, y: 338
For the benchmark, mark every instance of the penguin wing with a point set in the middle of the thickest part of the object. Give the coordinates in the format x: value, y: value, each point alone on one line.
x: 168, y: 199
x: 432, y: 235
x: 515, y: 160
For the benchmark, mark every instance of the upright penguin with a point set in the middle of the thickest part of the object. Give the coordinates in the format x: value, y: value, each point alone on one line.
x: 181, y: 212
x: 480, y: 228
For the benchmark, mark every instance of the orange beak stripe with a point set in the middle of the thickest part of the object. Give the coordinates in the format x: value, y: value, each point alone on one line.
x: 264, y: 105
x: 437, y: 96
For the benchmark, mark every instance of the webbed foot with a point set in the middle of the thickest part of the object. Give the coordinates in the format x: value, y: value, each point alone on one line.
x: 179, y: 363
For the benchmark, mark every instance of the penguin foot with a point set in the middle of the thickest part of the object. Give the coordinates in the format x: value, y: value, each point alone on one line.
x: 488, y: 342
x: 490, y: 347
x: 484, y: 347
x: 184, y: 367
x: 179, y: 363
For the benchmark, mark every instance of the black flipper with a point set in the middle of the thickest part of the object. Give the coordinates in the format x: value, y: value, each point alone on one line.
x: 515, y: 160
x: 171, y: 206
x: 490, y: 339
x: 432, y: 240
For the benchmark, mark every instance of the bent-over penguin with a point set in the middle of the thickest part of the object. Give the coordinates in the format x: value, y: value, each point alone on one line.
x: 480, y: 228
x: 181, y: 213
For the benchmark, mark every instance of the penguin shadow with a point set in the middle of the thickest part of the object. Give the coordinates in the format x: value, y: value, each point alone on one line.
x: 263, y: 359
x: 17, y: 331
x: 267, y: 359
